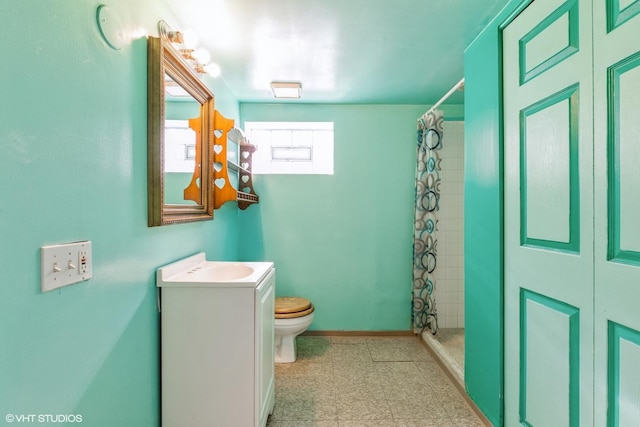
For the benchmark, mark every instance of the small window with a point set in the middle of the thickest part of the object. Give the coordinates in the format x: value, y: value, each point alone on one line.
x: 291, y: 147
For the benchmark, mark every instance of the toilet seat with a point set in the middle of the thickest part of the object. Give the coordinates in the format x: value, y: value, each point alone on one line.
x: 292, y: 307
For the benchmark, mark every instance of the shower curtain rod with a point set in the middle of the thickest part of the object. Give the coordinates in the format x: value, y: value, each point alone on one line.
x: 457, y: 86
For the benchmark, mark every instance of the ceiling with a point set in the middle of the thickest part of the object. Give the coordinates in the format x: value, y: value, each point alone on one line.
x: 342, y: 51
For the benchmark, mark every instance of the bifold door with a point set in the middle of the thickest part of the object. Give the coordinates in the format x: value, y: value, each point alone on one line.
x: 572, y: 214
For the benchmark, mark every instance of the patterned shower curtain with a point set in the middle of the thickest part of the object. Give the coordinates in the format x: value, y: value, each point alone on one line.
x: 425, y: 241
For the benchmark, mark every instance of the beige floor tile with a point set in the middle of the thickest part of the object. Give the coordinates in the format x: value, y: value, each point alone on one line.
x: 350, y: 353
x: 305, y: 388
x: 416, y: 392
x: 276, y: 414
x: 397, y: 368
x: 427, y: 367
x: 435, y: 422
x: 282, y: 368
x: 472, y: 421
x: 363, y: 410
x: 368, y: 423
x: 443, y: 387
x: 409, y: 410
x: 354, y: 368
x: 366, y: 382
x: 459, y: 410
x: 406, y: 380
x: 397, y: 349
x: 348, y: 340
x: 302, y: 424
x: 433, y: 373
x: 358, y: 388
x: 390, y: 342
x: 313, y: 349
x: 385, y: 353
x: 309, y: 370
x: 309, y: 410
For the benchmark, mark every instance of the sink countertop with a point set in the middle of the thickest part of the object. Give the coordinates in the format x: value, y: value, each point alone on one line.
x: 196, y: 271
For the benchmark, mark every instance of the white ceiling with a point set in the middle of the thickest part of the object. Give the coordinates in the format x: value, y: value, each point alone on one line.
x: 342, y: 51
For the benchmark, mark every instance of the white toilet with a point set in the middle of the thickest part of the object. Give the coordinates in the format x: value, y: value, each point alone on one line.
x: 293, y: 315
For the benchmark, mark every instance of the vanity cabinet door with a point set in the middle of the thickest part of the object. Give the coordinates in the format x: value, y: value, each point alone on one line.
x: 265, y: 351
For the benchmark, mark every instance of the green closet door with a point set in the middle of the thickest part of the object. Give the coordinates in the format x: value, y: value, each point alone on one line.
x: 617, y: 189
x: 548, y: 155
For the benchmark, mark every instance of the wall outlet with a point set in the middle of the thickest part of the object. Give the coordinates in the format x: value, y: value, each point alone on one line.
x: 83, y: 261
x: 65, y: 264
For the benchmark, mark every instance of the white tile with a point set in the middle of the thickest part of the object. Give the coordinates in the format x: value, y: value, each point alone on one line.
x: 451, y: 273
x: 452, y: 321
x: 451, y: 298
x: 454, y: 260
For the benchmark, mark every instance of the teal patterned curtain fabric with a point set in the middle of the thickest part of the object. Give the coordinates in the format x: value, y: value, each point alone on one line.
x: 425, y: 241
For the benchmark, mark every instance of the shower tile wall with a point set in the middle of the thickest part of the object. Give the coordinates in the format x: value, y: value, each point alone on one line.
x: 449, y: 290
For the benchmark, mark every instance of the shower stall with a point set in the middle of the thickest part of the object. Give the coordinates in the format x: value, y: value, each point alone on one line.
x: 448, y: 293
x: 438, y: 287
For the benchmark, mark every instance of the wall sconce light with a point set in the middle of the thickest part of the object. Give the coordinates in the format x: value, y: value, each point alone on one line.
x: 185, y: 43
x: 211, y: 68
x: 290, y: 90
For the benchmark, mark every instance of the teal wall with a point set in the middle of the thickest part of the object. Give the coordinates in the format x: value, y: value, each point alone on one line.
x: 342, y: 240
x: 174, y: 185
x: 483, y: 222
x: 73, y: 160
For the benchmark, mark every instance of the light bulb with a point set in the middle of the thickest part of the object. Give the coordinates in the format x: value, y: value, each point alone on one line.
x: 189, y: 39
x: 212, y: 69
x: 187, y: 54
x: 201, y: 55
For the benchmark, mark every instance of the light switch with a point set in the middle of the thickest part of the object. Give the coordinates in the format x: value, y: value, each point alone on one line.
x: 65, y: 264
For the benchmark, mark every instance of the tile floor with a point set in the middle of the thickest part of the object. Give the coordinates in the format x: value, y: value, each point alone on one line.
x: 366, y: 382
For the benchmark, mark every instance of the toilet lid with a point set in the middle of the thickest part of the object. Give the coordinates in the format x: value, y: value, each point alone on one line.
x: 288, y: 307
x: 295, y: 314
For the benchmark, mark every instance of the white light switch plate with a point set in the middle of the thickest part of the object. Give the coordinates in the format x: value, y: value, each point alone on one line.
x: 62, y: 265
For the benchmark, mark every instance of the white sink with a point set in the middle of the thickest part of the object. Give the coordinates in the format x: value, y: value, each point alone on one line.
x: 197, y: 271
x: 224, y: 272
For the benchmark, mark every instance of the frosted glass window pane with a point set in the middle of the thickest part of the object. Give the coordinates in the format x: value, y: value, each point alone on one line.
x: 291, y: 147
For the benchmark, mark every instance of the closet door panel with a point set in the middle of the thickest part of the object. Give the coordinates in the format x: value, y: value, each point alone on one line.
x: 548, y: 259
x: 617, y: 206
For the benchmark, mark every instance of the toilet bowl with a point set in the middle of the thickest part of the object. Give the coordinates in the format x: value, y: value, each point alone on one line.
x: 293, y: 315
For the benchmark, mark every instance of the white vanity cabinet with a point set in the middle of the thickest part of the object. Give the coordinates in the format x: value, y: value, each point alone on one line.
x: 217, y: 341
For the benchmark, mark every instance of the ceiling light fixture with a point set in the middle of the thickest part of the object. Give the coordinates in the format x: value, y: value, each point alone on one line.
x: 287, y: 90
x: 184, y: 42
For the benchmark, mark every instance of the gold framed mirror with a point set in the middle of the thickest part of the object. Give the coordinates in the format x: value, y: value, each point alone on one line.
x: 180, y: 116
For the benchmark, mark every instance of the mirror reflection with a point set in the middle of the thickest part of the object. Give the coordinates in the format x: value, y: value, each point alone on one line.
x: 182, y: 162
